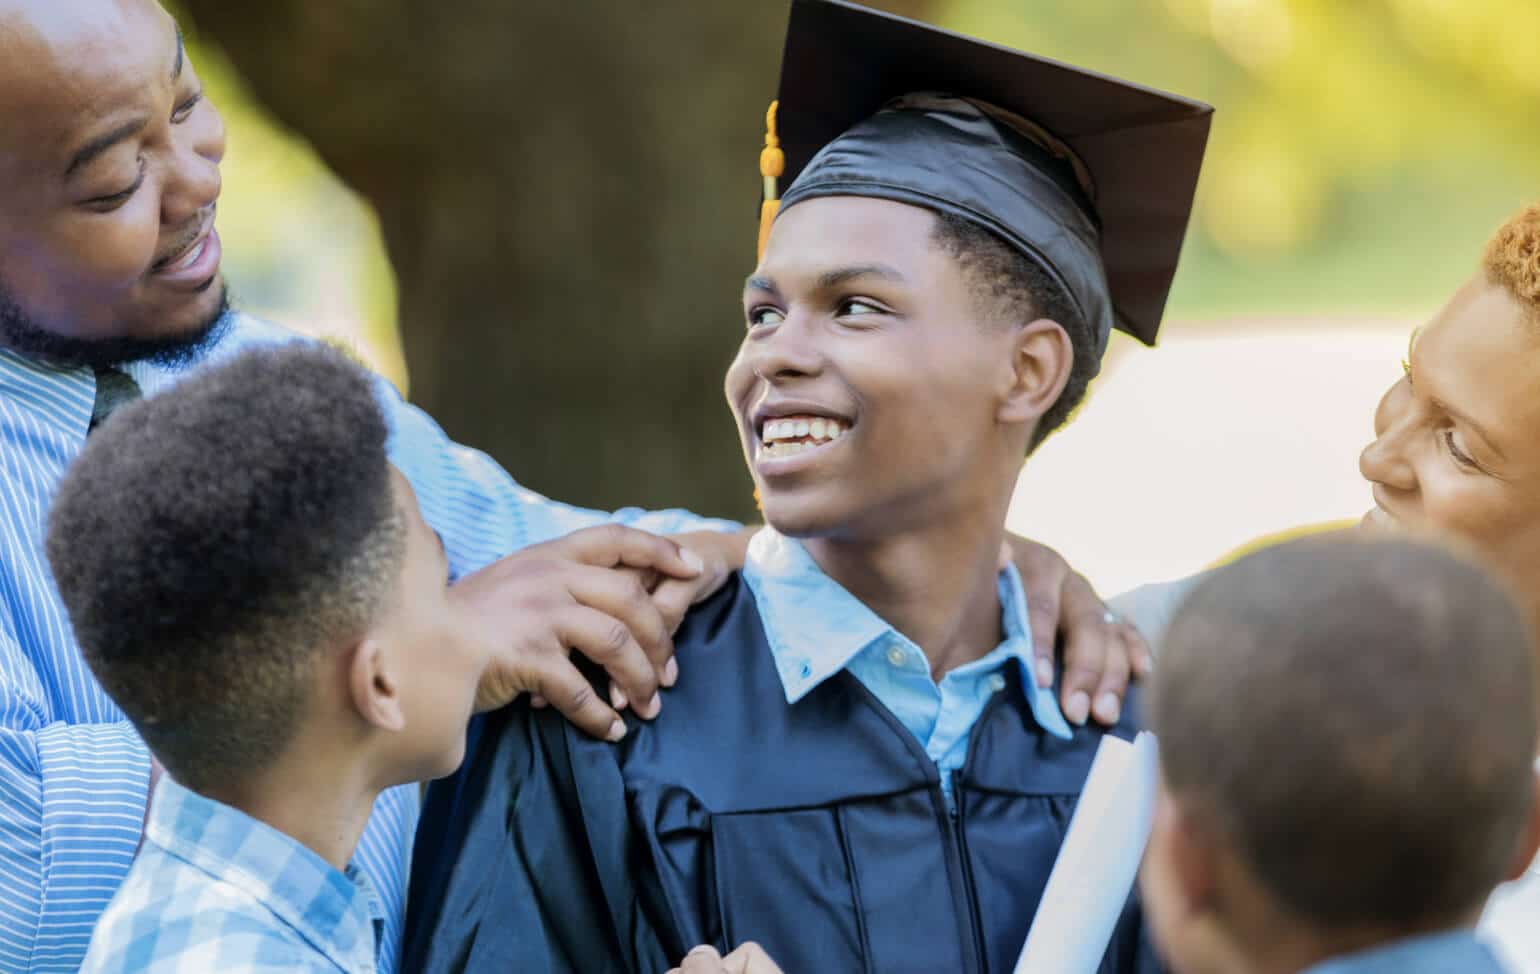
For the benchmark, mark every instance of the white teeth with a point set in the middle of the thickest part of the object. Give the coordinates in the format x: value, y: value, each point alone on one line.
x: 803, y: 433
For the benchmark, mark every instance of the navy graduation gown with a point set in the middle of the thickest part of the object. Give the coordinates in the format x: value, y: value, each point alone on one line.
x: 819, y: 830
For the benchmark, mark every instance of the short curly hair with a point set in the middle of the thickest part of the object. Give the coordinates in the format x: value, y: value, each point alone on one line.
x: 1356, y: 808
x: 1012, y: 288
x: 212, y: 542
x: 1512, y: 259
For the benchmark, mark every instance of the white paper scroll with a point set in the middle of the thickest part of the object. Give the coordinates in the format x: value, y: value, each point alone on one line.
x: 1097, y: 863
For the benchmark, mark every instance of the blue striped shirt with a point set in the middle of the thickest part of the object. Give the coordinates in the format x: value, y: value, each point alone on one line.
x: 73, y: 774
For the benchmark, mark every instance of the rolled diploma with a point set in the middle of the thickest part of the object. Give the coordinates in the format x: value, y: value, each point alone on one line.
x: 1097, y: 863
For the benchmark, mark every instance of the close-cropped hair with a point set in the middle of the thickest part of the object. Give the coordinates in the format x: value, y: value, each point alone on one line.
x: 1355, y: 720
x: 1010, y: 287
x: 213, y: 542
x: 1512, y: 259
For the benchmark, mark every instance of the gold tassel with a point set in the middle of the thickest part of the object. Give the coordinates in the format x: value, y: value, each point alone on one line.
x: 772, y: 162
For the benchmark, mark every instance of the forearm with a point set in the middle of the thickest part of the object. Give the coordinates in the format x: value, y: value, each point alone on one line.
x: 72, y: 806
x: 482, y: 513
x: 1150, y: 608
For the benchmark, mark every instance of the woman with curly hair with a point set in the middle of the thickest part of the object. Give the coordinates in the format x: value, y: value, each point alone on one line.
x: 1457, y: 453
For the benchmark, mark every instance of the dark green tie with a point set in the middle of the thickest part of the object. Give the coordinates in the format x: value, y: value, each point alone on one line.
x: 113, y: 389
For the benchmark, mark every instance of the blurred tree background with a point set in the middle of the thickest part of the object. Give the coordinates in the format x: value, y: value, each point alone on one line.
x: 567, y: 191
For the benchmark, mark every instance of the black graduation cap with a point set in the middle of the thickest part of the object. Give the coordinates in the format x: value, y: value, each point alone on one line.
x: 1089, y: 176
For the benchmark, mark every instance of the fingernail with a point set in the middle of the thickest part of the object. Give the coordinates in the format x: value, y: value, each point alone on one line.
x: 670, y: 672
x: 618, y: 697
x: 1044, y: 672
x: 617, y: 731
x: 691, y: 560
x: 1079, y: 707
x: 652, y: 708
x: 1108, y: 707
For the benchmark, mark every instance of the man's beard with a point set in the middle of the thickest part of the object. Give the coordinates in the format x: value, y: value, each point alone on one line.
x: 20, y: 334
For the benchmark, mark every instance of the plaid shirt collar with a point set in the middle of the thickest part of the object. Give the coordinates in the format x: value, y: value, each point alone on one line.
x: 337, y: 913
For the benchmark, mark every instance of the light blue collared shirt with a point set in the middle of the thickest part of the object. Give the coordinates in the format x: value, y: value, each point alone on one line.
x: 216, y: 890
x: 816, y: 629
x: 73, y: 774
x: 1454, y: 952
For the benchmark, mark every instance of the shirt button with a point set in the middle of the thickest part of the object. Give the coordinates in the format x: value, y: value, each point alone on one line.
x: 897, y: 656
x: 996, y: 682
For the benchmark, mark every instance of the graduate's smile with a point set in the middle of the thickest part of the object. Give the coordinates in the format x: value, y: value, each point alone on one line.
x: 790, y: 437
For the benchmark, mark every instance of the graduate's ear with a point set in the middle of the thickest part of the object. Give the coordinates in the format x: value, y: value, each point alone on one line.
x: 374, y: 686
x: 1529, y: 842
x: 1037, y: 371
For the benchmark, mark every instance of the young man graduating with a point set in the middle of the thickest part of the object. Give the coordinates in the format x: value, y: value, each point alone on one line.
x: 110, y: 287
x: 862, y: 773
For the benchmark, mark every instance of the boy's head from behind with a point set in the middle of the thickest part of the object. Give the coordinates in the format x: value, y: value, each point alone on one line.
x: 247, y: 575
x: 1347, y: 736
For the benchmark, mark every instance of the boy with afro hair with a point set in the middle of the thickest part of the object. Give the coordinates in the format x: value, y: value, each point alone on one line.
x: 252, y: 582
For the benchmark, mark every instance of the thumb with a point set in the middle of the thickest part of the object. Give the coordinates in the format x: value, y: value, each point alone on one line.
x: 749, y: 958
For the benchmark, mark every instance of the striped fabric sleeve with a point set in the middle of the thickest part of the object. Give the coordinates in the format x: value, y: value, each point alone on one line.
x: 72, y: 801
x: 481, y: 511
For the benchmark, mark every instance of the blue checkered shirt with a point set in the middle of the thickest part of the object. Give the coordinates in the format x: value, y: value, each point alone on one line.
x: 214, y: 891
x: 73, y: 774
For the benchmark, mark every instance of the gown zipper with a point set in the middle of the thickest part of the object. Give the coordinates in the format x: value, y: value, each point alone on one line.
x: 950, y: 823
x: 960, y: 874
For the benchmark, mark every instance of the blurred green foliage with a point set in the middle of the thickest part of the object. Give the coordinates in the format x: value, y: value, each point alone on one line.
x: 301, y: 248
x: 1362, y: 151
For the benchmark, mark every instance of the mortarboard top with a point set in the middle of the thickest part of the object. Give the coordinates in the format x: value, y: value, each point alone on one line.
x: 1090, y: 177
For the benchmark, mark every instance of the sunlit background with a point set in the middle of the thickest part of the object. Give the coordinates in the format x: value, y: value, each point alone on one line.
x: 1361, y: 154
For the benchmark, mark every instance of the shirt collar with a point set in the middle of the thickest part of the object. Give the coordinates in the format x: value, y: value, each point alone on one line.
x: 337, y: 913
x: 58, y: 397
x: 63, y: 397
x: 1453, y: 950
x: 815, y: 627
